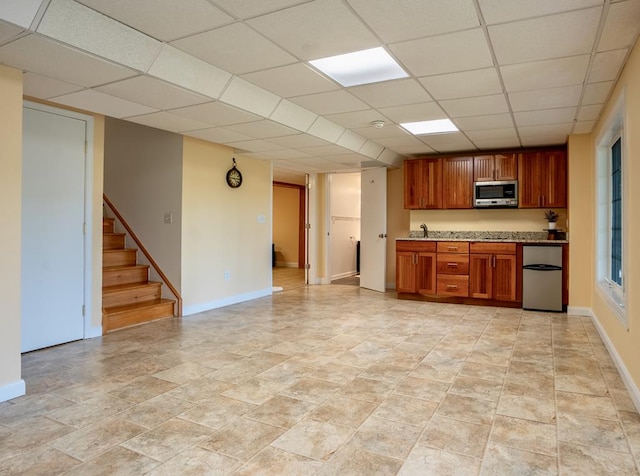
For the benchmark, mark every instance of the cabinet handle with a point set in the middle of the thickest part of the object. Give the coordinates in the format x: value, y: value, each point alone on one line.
x: 452, y: 248
x: 415, y: 258
x: 493, y: 264
x: 452, y: 265
x: 452, y: 286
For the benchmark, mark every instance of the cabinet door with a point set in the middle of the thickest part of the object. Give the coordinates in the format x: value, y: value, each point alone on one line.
x: 422, y: 184
x: 504, y: 278
x: 481, y: 276
x: 412, y: 183
x: 555, y: 195
x: 483, y: 168
x: 506, y: 167
x: 406, y: 272
x: 531, y: 172
x: 426, y: 274
x: 457, y: 182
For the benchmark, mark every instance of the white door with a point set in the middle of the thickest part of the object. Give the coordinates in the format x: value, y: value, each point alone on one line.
x: 53, y: 187
x: 373, y: 232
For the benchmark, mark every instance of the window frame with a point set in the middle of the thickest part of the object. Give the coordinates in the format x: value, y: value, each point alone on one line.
x: 613, y: 293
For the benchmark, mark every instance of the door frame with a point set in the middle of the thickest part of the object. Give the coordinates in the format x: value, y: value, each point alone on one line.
x: 89, y: 330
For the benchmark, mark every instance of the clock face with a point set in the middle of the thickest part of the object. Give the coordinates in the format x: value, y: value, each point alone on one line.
x: 234, y: 177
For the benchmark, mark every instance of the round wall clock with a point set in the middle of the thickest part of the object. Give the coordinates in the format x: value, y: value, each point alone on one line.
x: 234, y: 177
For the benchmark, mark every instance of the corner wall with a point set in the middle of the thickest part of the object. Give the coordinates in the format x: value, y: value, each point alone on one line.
x: 11, y: 383
x: 224, y: 230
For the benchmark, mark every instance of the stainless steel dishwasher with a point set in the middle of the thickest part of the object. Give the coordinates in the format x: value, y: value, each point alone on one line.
x: 542, y: 278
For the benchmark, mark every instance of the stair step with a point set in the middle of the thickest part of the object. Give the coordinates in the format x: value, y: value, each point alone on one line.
x: 123, y: 257
x: 113, y: 241
x: 119, y: 275
x: 118, y: 317
x: 108, y: 225
x: 125, y: 294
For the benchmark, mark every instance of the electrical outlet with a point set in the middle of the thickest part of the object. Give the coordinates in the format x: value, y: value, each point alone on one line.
x: 168, y: 218
x: 227, y: 275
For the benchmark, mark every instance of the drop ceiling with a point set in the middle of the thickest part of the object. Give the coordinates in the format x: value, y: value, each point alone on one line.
x: 508, y: 73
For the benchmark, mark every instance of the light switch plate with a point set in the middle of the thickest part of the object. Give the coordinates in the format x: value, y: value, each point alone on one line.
x: 168, y: 218
x: 262, y: 219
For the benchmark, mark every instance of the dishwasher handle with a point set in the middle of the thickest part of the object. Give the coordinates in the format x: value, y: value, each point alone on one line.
x: 542, y: 267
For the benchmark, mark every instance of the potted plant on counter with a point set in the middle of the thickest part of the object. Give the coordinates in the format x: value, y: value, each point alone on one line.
x: 552, y: 218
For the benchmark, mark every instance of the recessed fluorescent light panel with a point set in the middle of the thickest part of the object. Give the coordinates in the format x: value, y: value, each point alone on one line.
x: 361, y: 67
x: 440, y: 126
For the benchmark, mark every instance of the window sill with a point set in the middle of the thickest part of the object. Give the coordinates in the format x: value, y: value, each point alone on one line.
x: 614, y: 301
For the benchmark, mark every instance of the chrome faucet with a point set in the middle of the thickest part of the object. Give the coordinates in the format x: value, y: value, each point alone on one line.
x: 425, y: 229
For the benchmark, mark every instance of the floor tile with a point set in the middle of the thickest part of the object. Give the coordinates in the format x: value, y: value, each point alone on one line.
x: 242, y: 439
x: 578, y: 459
x: 525, y: 435
x: 424, y: 460
x: 351, y: 459
x: 217, y: 412
x: 43, y: 460
x: 343, y: 411
x: 196, y: 461
x: 117, y: 460
x: 403, y: 409
x: 275, y: 462
x: 313, y: 439
x: 281, y: 411
x: 386, y: 438
x: 455, y: 436
x: 505, y: 460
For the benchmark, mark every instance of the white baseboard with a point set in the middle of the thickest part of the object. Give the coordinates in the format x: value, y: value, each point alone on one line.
x: 12, y: 390
x: 579, y: 311
x: 94, y: 331
x: 227, y: 301
x: 634, y: 392
x: 346, y: 274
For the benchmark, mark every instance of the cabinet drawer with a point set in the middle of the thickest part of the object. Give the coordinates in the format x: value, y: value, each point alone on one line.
x: 493, y: 248
x: 453, y: 246
x: 453, y: 285
x: 450, y: 263
x: 411, y: 245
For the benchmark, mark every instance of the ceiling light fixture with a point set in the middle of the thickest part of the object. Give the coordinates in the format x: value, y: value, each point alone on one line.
x: 360, y: 67
x: 440, y: 126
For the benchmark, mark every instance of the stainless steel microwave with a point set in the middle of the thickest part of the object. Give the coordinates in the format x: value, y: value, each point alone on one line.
x: 502, y: 194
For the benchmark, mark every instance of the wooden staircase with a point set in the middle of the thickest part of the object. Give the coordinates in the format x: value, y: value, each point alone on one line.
x: 128, y: 297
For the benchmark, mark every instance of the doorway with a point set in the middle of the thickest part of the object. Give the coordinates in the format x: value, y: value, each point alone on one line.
x: 289, y: 236
x: 55, y: 267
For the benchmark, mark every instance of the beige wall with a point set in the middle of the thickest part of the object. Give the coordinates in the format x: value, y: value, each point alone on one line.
x: 143, y: 179
x: 223, y: 228
x: 484, y: 220
x: 286, y: 215
x: 11, y: 384
x: 624, y: 341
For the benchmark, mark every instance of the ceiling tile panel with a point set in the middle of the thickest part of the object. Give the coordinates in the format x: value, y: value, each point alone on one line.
x: 478, y: 123
x: 88, y: 30
x: 449, y: 53
x: 248, y: 96
x: 216, y: 114
x: 391, y: 93
x: 19, y: 12
x: 293, y: 80
x: 325, y: 129
x: 377, y: 133
x: 165, y: 20
x: 90, y: 100
x: 552, y: 73
x: 590, y: 113
x: 505, y: 133
x: 153, y: 92
x: 43, y: 87
x: 184, y: 70
x: 414, y: 150
x: 287, y: 154
x: 448, y: 142
x: 477, y: 106
x: 597, y: 93
x: 606, y: 66
x: 9, y: 32
x: 583, y: 127
x: 547, y: 116
x: 621, y: 26
x: 567, y: 34
x: 357, y: 119
x: 292, y: 115
x: 316, y: 30
x: 257, y: 145
x: 489, y: 144
x: 47, y: 58
x: 406, y: 140
x: 398, y: 21
x: 371, y: 149
x: 168, y: 122
x: 545, y: 98
x: 500, y: 11
x: 425, y: 111
x: 262, y: 129
x: 219, y: 135
x: 332, y: 102
x: 238, y: 49
x: 325, y: 150
x: 351, y: 140
x: 298, y: 140
x: 482, y: 82
x: 244, y: 9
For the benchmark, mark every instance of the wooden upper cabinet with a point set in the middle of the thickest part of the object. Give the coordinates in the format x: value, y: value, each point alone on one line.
x: 422, y: 184
x: 457, y: 182
x: 487, y: 168
x: 542, y: 179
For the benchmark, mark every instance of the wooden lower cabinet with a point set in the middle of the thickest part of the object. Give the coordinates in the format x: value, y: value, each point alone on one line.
x: 416, y: 267
x: 452, y: 267
x: 493, y: 271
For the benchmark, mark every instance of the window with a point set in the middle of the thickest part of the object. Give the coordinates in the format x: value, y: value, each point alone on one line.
x: 610, y: 212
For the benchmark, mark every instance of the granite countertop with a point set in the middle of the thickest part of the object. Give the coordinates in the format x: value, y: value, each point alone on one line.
x: 506, y: 236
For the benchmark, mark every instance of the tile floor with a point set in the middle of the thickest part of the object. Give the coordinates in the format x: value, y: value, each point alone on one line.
x: 327, y: 380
